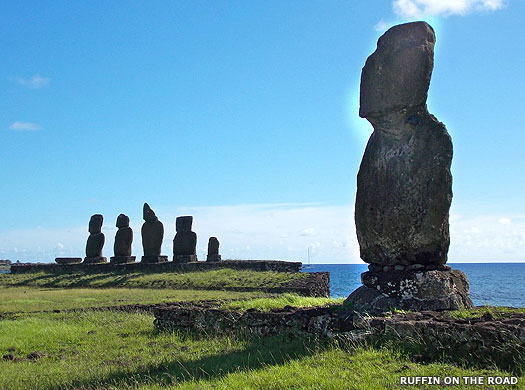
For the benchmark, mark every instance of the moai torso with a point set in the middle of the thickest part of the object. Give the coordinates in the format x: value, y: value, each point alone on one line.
x: 404, y: 184
x: 185, y: 241
x: 152, y: 232
x: 123, y: 237
x: 96, y: 239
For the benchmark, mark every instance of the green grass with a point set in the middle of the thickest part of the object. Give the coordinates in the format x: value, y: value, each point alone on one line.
x: 115, y: 350
x: 495, y: 312
x: 216, y: 279
x: 28, y: 299
x: 269, y: 303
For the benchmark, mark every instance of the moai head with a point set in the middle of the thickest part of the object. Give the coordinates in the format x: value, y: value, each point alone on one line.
x: 397, y: 75
x: 122, y: 221
x: 183, y: 224
x: 148, y: 214
x: 95, y: 223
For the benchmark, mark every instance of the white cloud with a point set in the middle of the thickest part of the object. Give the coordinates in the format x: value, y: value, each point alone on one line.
x: 505, y: 221
x: 381, y: 26
x: 273, y: 231
x: 419, y: 8
x: 24, y: 126
x: 35, y: 82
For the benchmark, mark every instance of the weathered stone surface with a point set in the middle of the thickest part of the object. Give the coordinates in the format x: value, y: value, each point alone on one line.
x: 122, y: 259
x: 213, y: 250
x: 185, y: 241
x: 404, y: 185
x: 95, y: 241
x: 397, y: 75
x: 68, y: 260
x: 95, y: 260
x: 412, y: 290
x: 154, y: 259
x: 123, y: 237
x: 152, y: 232
x: 486, y: 340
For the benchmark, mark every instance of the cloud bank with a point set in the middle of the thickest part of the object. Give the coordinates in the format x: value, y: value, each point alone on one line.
x: 24, y: 126
x: 419, y: 8
x: 274, y: 231
x: 35, y: 82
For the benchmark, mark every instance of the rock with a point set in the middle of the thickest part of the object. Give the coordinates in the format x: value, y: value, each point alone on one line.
x: 185, y: 241
x: 399, y: 267
x: 411, y: 290
x: 152, y: 235
x: 213, y: 250
x: 404, y: 184
x: 68, y: 260
x: 123, y: 241
x: 8, y: 356
x: 388, y: 268
x: 375, y: 268
x: 415, y: 267
x: 95, y: 241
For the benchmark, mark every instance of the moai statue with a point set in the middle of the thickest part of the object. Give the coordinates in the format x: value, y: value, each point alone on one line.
x: 213, y: 250
x: 123, y: 241
x: 95, y: 241
x: 404, y: 184
x: 152, y: 235
x: 185, y: 241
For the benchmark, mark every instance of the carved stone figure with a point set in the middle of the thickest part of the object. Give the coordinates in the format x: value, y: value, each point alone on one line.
x: 404, y: 184
x: 213, y: 250
x: 95, y: 241
x: 123, y: 241
x: 185, y: 241
x: 152, y: 235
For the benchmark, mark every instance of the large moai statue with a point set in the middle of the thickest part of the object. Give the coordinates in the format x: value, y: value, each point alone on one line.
x: 213, y: 250
x: 185, y: 241
x: 95, y: 241
x: 123, y: 241
x: 152, y: 235
x: 404, y: 184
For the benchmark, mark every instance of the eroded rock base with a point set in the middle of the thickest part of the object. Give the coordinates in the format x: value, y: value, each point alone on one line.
x: 95, y: 260
x: 411, y: 290
x: 122, y: 259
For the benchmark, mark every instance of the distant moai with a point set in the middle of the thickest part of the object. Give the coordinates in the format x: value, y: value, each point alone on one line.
x: 185, y: 241
x: 404, y: 184
x: 95, y: 241
x: 123, y: 241
x: 213, y: 250
x: 152, y: 235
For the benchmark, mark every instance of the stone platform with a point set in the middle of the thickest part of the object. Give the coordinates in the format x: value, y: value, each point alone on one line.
x: 253, y: 265
x: 411, y: 290
x: 485, y: 340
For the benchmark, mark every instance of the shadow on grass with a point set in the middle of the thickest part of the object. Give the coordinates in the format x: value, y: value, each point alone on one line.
x: 260, y: 352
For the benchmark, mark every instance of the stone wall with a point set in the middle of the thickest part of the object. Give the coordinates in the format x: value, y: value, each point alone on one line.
x: 252, y: 265
x: 484, y: 341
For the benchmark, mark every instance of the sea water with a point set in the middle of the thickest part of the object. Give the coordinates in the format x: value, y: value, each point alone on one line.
x: 495, y: 284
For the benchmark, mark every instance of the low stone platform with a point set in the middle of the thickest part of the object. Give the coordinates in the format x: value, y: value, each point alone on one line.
x: 486, y: 339
x: 411, y: 290
x: 252, y: 265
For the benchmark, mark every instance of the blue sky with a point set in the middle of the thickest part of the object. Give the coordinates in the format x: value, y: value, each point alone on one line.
x: 243, y: 114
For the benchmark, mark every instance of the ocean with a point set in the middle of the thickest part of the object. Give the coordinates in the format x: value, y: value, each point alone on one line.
x: 495, y: 284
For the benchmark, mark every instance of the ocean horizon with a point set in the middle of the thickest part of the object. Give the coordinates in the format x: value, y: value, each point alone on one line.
x: 493, y: 284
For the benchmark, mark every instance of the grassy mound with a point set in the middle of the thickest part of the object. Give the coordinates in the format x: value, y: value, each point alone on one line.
x: 217, y: 279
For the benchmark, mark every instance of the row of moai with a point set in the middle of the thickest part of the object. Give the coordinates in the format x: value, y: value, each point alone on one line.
x: 184, y: 243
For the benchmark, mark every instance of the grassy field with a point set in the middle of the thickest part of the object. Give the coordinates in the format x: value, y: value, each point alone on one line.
x: 217, y: 279
x: 97, y: 350
x: 116, y: 350
x: 28, y: 299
